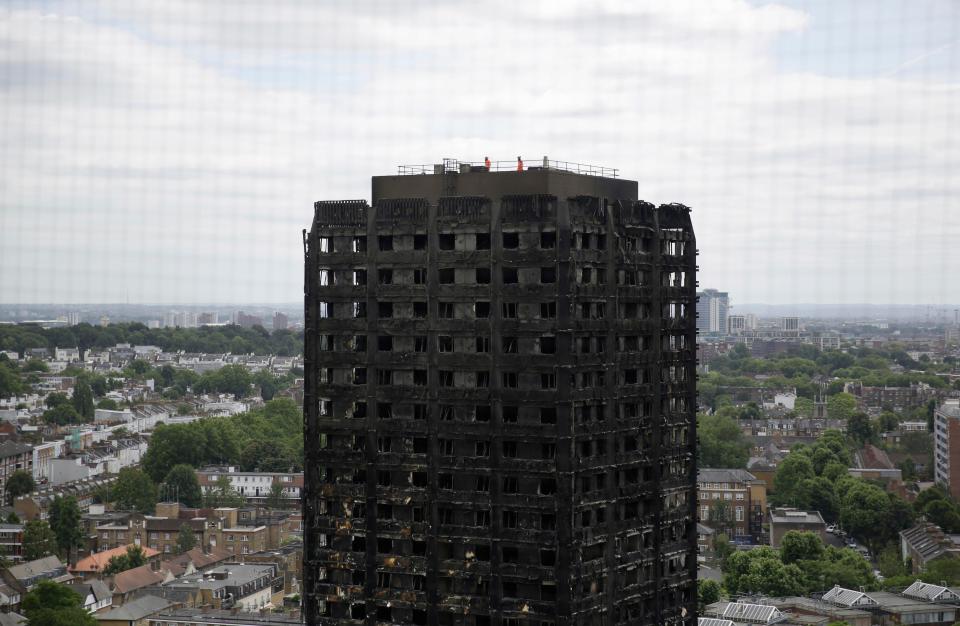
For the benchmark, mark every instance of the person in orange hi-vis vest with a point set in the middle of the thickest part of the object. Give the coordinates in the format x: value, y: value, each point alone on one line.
x: 486, y: 163
x: 519, y: 164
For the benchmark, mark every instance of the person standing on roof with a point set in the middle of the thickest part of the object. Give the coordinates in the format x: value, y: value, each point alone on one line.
x: 519, y: 164
x: 486, y: 162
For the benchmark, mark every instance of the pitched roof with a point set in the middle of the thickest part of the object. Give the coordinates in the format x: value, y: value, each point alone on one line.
x: 12, y: 619
x: 710, y: 621
x: 848, y: 597
x: 98, y: 589
x: 35, y: 568
x: 928, y: 541
x: 713, y: 475
x: 135, y: 609
x: 98, y: 561
x: 10, y: 448
x: 135, y: 578
x: 753, y: 613
x: 933, y: 593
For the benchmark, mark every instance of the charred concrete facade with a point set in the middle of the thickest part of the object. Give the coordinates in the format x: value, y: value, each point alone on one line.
x: 499, y: 404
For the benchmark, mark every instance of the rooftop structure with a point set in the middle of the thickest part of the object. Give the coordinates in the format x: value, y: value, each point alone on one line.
x: 499, y: 392
x: 849, y: 598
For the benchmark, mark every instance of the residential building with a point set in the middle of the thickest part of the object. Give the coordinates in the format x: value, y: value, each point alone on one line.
x: 254, y: 486
x: 785, y: 519
x: 946, y: 446
x: 25, y: 576
x: 244, y: 587
x: 790, y: 326
x: 732, y: 501
x: 93, y: 565
x: 197, y: 617
x: 499, y: 399
x: 14, y: 456
x: 280, y: 321
x: 926, y: 542
x: 95, y: 593
x: 248, y: 321
x: 712, y: 309
x: 736, y: 324
x: 11, y: 542
x: 134, y: 613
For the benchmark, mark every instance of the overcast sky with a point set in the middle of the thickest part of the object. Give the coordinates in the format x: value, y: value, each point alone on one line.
x: 170, y: 151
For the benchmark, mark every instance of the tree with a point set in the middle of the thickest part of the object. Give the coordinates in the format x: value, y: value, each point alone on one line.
x: 62, y: 415
x: 20, y: 483
x: 53, y: 604
x: 108, y: 404
x: 761, y: 571
x: 38, y: 540
x: 944, y: 514
x: 722, y: 443
x: 65, y: 522
x: 800, y: 546
x: 722, y: 548
x: 794, y: 469
x: 720, y: 516
x: 83, y: 399
x: 841, y: 406
x: 708, y: 592
x: 276, y: 499
x: 264, y: 456
x: 13, y: 518
x: 133, y: 557
x: 134, y: 490
x: 55, y: 399
x: 181, y: 483
x: 223, y: 494
x: 888, y: 421
x: 861, y: 428
x: 186, y: 539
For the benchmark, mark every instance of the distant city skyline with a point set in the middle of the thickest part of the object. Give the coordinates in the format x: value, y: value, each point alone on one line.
x: 172, y: 152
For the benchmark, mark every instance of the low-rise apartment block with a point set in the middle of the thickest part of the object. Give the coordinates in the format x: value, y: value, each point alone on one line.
x: 732, y: 501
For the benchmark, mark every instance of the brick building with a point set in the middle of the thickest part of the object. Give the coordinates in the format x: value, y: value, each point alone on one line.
x: 499, y: 399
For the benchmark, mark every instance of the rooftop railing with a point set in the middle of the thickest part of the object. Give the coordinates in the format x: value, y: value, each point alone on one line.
x: 454, y: 166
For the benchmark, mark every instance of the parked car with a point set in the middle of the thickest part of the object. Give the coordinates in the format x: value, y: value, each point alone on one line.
x: 851, y: 543
x: 832, y: 528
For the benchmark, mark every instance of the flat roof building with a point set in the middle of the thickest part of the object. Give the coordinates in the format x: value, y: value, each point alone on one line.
x: 499, y: 401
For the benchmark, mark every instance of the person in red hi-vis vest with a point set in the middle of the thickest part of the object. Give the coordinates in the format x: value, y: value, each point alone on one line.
x: 519, y: 164
x: 486, y: 163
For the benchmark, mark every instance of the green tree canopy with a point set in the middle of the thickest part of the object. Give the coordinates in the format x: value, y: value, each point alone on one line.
x: 708, y: 592
x: 38, y: 540
x: 722, y: 443
x: 53, y: 604
x: 83, y: 399
x: 181, y: 483
x: 761, y: 571
x: 133, y: 557
x: 791, y: 472
x: 800, y: 546
x: 65, y: 522
x: 133, y: 490
x: 62, y: 415
x: 841, y: 406
x: 20, y: 483
x: 186, y: 539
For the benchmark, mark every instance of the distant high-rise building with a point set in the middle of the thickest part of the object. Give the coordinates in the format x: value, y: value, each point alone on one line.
x: 207, y: 318
x: 104, y: 321
x: 280, y: 321
x: 499, y: 400
x: 73, y: 318
x: 736, y: 324
x: 790, y: 325
x: 712, y: 308
x: 946, y: 448
x: 153, y: 324
x: 248, y: 321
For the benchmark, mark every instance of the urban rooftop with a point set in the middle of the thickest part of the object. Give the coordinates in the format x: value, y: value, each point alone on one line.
x: 455, y: 166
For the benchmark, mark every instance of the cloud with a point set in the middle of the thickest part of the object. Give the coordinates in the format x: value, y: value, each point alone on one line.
x: 171, y: 151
